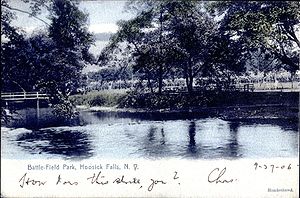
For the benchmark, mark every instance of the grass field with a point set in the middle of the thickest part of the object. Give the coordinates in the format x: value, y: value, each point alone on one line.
x: 99, y: 98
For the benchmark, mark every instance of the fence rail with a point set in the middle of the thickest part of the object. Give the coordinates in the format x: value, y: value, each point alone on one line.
x: 14, y: 96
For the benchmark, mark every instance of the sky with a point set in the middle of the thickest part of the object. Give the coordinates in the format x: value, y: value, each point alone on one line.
x: 103, y: 15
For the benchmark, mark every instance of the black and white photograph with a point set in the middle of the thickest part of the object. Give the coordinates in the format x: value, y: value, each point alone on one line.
x: 115, y: 86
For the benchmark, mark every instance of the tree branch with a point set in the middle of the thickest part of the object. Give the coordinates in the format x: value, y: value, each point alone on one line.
x: 26, y: 12
x: 291, y: 34
x: 15, y: 82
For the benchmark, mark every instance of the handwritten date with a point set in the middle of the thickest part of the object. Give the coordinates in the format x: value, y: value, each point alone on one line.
x: 272, y: 167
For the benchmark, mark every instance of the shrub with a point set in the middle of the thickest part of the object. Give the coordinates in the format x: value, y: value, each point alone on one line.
x: 65, y: 110
x: 156, y: 101
x: 101, y: 98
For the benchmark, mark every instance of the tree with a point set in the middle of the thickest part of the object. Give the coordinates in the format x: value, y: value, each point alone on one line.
x: 13, y: 40
x: 148, y: 41
x: 70, y: 43
x: 175, y: 37
x: 69, y: 28
x: 269, y: 25
x: 195, y: 33
x: 205, y: 51
x: 51, y: 61
x: 262, y: 61
x: 19, y: 66
x: 107, y: 74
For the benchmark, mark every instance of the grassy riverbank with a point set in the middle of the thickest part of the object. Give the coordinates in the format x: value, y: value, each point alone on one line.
x: 107, y: 98
x: 236, y: 105
x: 257, y: 107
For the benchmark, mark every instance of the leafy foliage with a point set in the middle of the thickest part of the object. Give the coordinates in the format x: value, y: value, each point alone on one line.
x: 110, y: 74
x: 50, y: 61
x: 270, y: 25
x: 174, y: 38
x: 64, y: 109
x: 68, y: 28
x: 163, y: 101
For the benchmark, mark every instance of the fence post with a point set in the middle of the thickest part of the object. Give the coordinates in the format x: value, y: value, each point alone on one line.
x: 37, y: 109
x: 37, y: 106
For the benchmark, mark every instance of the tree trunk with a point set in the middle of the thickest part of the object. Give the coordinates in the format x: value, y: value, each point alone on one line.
x: 292, y: 78
x: 160, y: 80
x: 189, y: 83
x: 160, y: 69
x: 228, y: 83
x: 149, y: 83
x: 190, y: 86
x: 286, y: 60
x: 191, y: 78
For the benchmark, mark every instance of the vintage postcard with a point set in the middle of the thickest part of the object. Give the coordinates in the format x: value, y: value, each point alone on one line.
x: 150, y: 98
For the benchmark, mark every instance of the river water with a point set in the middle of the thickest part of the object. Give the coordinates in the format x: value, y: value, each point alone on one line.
x: 98, y: 135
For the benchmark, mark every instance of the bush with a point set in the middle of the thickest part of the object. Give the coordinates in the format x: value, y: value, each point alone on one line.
x: 178, y: 101
x: 97, y: 100
x: 163, y: 101
x: 101, y: 98
x: 65, y: 110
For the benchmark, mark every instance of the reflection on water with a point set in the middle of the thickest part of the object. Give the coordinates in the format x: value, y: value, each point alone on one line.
x: 192, y: 148
x: 232, y: 145
x: 153, y: 142
x: 200, y: 145
x: 113, y: 135
x: 71, y: 144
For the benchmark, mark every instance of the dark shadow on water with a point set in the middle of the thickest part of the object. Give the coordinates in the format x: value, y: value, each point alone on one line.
x: 154, y: 144
x: 232, y: 148
x: 162, y: 141
x: 151, y: 134
x: 69, y: 144
x: 192, y: 148
x: 284, y: 124
x: 155, y: 116
x: 27, y: 119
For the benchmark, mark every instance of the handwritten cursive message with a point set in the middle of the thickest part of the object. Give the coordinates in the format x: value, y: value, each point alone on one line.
x: 170, y: 178
x: 216, y: 176
x: 99, y: 179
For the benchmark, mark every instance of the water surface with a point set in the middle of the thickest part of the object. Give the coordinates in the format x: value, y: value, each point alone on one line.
x: 151, y: 136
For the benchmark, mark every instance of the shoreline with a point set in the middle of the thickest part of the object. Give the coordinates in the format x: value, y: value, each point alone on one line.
x: 242, y: 112
x: 234, y: 106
